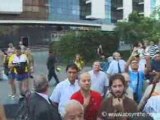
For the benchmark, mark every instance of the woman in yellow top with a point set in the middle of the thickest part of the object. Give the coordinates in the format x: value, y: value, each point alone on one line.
x: 30, y: 66
x: 18, y: 63
x: 12, y: 75
x: 79, y: 62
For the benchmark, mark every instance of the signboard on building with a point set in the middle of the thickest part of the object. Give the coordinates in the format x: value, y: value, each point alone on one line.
x: 11, y: 6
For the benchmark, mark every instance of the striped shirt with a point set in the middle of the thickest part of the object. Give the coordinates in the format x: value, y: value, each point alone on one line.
x: 153, y: 50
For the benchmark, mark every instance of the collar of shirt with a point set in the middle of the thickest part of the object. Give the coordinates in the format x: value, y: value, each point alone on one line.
x: 69, y: 83
x: 44, y: 96
x: 93, y: 72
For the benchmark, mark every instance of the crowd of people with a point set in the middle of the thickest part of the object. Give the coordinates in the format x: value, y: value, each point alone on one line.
x: 130, y: 86
x: 18, y: 65
x: 126, y: 90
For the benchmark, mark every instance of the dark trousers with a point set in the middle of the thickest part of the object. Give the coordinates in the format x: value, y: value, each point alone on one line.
x: 52, y: 73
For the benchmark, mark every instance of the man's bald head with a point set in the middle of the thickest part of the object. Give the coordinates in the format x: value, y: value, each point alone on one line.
x: 74, y: 110
x: 85, y: 82
x: 84, y: 75
x: 116, y: 55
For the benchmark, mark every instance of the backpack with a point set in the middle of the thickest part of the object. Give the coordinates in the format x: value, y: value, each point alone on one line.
x: 20, y: 68
x: 23, y: 110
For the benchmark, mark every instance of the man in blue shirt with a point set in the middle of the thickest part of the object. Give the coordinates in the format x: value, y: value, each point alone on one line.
x: 137, y: 79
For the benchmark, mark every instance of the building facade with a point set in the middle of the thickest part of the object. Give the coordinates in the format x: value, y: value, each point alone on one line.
x: 102, y: 12
x: 24, y: 10
x: 120, y: 9
x: 42, y: 20
x: 87, y: 11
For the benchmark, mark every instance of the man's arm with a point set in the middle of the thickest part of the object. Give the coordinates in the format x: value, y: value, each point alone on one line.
x: 106, y: 85
x: 106, y: 88
x: 148, y: 67
x: 56, y: 94
x: 128, y: 63
x: 144, y: 98
x: 110, y: 69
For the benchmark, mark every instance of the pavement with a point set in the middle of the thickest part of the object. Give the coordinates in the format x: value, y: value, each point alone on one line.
x: 7, y: 104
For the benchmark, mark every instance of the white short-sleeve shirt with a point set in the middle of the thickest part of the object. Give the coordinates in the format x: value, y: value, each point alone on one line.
x: 113, y: 67
x: 63, y: 92
x: 152, y: 105
x: 98, y: 81
x: 21, y: 58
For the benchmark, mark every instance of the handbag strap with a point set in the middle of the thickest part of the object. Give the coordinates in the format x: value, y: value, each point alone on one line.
x: 137, y: 87
x: 145, y: 101
x: 154, y: 85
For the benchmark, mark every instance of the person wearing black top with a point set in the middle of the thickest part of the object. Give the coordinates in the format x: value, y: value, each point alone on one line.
x: 51, y: 67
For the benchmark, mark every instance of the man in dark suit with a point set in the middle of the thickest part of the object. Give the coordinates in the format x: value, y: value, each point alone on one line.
x: 40, y: 107
x: 51, y: 61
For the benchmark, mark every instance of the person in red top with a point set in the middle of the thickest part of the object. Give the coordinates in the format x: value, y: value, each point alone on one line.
x: 91, y: 100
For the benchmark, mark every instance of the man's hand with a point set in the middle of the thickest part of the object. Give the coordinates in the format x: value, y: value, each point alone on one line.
x: 32, y: 69
x: 86, y: 101
x: 118, y: 104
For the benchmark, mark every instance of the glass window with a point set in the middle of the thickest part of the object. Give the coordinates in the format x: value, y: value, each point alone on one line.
x: 28, y: 8
x: 28, y: 2
x: 35, y: 2
x: 74, y: 10
x: 59, y: 10
x: 35, y: 9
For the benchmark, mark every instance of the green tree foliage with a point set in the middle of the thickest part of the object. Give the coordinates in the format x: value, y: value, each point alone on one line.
x: 138, y: 28
x: 135, y: 17
x: 156, y: 16
x: 156, y: 13
x: 85, y: 43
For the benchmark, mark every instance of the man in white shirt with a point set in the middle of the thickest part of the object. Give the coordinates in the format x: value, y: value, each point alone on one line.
x: 117, y: 65
x: 99, y: 80
x: 64, y: 90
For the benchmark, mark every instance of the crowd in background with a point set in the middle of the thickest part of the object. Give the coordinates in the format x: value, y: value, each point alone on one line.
x: 124, y: 90
x: 114, y: 89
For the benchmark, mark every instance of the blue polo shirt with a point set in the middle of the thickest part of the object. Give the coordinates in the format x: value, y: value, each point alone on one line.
x: 137, y: 87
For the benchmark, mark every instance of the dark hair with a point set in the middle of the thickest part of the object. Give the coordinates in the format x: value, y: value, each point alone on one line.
x: 18, y: 48
x: 115, y: 77
x: 135, y: 44
x: 72, y: 66
x: 137, y: 56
